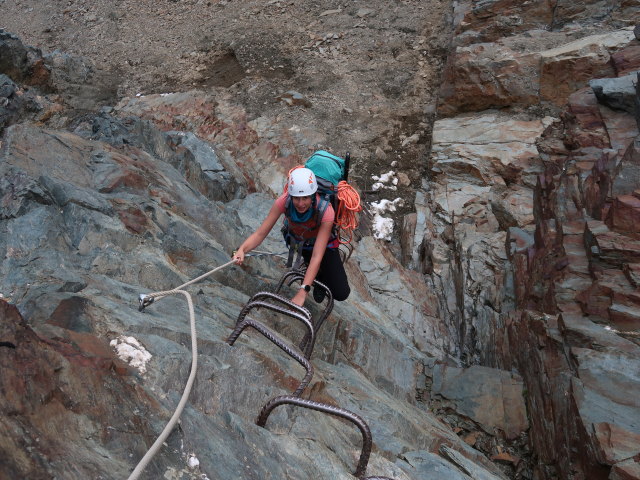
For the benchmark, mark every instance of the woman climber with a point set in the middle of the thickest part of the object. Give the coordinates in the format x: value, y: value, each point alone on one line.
x: 309, y: 224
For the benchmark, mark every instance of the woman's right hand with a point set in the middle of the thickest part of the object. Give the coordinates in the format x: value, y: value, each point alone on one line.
x: 238, y: 256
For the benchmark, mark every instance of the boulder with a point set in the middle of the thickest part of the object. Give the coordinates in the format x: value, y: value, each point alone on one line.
x: 617, y: 93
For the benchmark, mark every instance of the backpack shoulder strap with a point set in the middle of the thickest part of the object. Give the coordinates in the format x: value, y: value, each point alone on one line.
x: 322, y: 207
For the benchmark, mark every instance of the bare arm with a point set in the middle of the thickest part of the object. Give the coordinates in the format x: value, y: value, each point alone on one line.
x: 316, y: 258
x: 257, y: 237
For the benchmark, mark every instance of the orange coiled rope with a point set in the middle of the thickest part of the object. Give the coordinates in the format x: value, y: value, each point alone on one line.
x: 348, y: 207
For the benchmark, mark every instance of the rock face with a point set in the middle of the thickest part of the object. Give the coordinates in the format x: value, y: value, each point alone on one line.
x: 529, y: 222
x: 141, y: 197
x: 510, y: 347
x: 342, y: 78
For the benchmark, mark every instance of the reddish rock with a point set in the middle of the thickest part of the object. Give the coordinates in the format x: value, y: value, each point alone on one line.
x: 579, y: 330
x: 486, y: 76
x: 632, y: 272
x: 560, y: 77
x: 621, y: 127
x: 60, y: 393
x: 126, y: 179
x: 624, y: 12
x: 625, y: 318
x: 471, y: 438
x: 596, y: 186
x: 627, y: 470
x: 570, y: 67
x: 595, y: 300
x: 624, y: 215
x: 40, y: 74
x: 133, y: 219
x: 71, y: 314
x: 488, y: 21
x: 505, y: 457
x: 605, y: 246
x: 584, y: 126
x: 627, y: 173
x: 627, y: 60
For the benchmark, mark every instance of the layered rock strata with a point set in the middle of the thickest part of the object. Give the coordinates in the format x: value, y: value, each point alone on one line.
x: 529, y: 220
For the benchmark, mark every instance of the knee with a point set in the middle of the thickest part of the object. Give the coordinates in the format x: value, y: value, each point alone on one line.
x: 342, y: 294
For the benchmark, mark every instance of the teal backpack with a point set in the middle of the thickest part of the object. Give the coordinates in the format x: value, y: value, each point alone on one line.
x: 329, y: 169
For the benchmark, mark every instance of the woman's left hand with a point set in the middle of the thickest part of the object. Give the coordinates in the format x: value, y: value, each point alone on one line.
x: 299, y: 298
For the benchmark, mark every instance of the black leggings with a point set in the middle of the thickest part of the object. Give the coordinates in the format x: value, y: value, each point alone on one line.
x: 331, y: 273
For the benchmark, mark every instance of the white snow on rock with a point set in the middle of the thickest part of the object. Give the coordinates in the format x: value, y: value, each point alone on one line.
x: 131, y: 351
x: 383, y: 180
x: 385, y: 205
x: 193, y: 461
x: 383, y: 226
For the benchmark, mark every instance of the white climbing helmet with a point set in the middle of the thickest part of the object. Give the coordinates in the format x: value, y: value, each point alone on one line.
x: 302, y: 183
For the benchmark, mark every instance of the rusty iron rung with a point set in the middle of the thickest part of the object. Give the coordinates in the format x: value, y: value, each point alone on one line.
x: 325, y: 408
x: 264, y: 330
x: 287, y: 308
x: 307, y: 346
x: 283, y: 300
x: 304, y: 319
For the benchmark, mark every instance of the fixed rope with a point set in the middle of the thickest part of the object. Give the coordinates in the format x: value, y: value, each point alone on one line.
x: 146, y: 300
x: 185, y: 395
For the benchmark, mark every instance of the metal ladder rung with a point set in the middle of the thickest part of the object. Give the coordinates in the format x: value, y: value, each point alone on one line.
x: 274, y: 338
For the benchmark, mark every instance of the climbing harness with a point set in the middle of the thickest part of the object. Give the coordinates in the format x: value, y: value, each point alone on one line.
x: 281, y: 305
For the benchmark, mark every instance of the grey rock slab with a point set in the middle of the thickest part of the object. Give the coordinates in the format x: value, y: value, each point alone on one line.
x: 55, y: 153
x: 627, y: 173
x: 65, y: 192
x: 15, y: 56
x: 491, y: 397
x: 19, y: 192
x: 617, y: 93
x: 469, y: 467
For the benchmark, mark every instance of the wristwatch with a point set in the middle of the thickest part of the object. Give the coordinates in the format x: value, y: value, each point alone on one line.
x: 306, y: 288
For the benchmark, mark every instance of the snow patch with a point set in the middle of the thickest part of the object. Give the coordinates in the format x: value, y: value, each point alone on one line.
x: 383, y: 226
x: 193, y: 461
x: 385, y: 205
x: 131, y: 351
x: 383, y: 180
